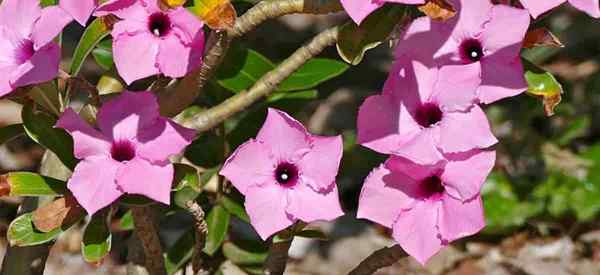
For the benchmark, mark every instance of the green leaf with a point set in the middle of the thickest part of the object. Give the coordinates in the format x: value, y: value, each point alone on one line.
x: 576, y: 129
x: 206, y: 151
x: 244, y: 256
x: 93, y: 34
x: 40, y: 128
x: 180, y: 253
x: 303, y: 95
x: 187, y: 184
x: 312, y: 233
x: 97, y: 239
x: 544, y: 85
x: 354, y: 41
x: 45, y: 3
x: 313, y: 73
x: 234, y: 208
x: 242, y: 68
x: 9, y: 132
x: 218, y: 225
x: 126, y: 222
x: 29, y: 184
x: 103, y: 54
x: 21, y: 232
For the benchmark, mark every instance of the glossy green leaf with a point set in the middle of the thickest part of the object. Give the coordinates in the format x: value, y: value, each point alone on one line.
x: 9, y: 132
x: 180, y: 253
x: 40, y: 128
x: 354, y: 41
x: 244, y: 256
x: 103, y: 54
x: 544, y: 85
x: 242, y: 68
x: 126, y: 222
x: 45, y: 3
x: 21, y: 232
x: 206, y: 151
x: 235, y: 208
x: 218, y: 225
x: 186, y: 184
x: 46, y: 96
x: 97, y: 239
x: 93, y: 34
x: 313, y: 73
x: 29, y: 184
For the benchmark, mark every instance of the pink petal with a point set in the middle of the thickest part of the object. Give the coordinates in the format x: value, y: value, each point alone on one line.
x: 126, y: 115
x: 135, y: 55
x: 266, y: 209
x: 497, y: 36
x: 358, y: 10
x: 471, y: 17
x: 384, y: 195
x: 5, y: 87
x: 384, y: 133
x: 502, y: 77
x: 416, y: 231
x: 122, y: 9
x: 41, y: 67
x: 250, y: 164
x: 320, y: 165
x: 453, y: 136
x: 81, y: 10
x: 413, y: 170
x: 87, y: 141
x: 20, y: 15
x: 591, y: 7
x: 537, y: 7
x: 163, y: 139
x: 187, y: 26
x: 305, y: 204
x: 175, y: 59
x: 52, y: 21
x: 421, y: 149
x: 456, y: 86
x: 429, y: 35
x: 459, y: 219
x: 140, y: 177
x: 286, y: 136
x: 411, y: 82
x: 465, y: 173
x: 93, y: 183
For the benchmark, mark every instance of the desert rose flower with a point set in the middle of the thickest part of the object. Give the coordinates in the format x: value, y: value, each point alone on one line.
x: 150, y: 41
x: 360, y: 9
x: 425, y: 112
x: 27, y: 53
x: 427, y: 207
x: 537, y: 7
x: 481, y: 33
x: 286, y: 174
x: 81, y: 10
x: 127, y: 155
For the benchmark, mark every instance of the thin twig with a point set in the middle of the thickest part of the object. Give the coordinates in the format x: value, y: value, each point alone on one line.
x: 379, y: 259
x: 147, y: 232
x: 269, y: 9
x: 201, y: 230
x: 212, y: 117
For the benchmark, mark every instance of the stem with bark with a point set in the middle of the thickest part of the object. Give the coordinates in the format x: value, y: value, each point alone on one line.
x: 147, y: 231
x: 277, y: 259
x: 201, y: 231
x: 379, y: 259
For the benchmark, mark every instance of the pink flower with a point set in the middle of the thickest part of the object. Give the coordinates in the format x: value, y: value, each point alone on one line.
x: 423, y: 113
x: 27, y: 53
x: 537, y: 7
x: 128, y: 155
x: 360, y: 9
x: 149, y: 41
x: 484, y: 34
x: 427, y: 206
x: 286, y: 174
x: 81, y: 10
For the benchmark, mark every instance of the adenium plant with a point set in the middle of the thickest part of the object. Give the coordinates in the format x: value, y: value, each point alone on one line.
x: 429, y: 119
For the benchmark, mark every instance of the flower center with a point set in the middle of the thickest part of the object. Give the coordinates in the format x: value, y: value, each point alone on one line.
x: 159, y: 24
x: 122, y: 150
x: 471, y: 50
x: 428, y: 114
x: 286, y: 174
x: 432, y: 187
x: 24, y: 51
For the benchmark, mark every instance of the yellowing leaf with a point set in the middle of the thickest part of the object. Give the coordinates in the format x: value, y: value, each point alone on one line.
x: 217, y: 14
x: 541, y: 37
x: 439, y: 10
x: 544, y: 85
x: 173, y: 3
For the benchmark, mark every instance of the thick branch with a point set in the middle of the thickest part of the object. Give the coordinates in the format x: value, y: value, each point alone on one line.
x: 268, y: 9
x: 212, y: 117
x: 277, y: 259
x: 147, y: 232
x: 379, y: 259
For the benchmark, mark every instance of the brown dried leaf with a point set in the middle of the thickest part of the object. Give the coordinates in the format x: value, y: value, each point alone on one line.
x: 541, y: 37
x: 4, y: 186
x: 439, y: 10
x: 217, y: 14
x: 64, y: 210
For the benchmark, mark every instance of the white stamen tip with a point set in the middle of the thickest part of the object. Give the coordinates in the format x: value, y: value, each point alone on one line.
x: 156, y: 32
x: 284, y: 176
